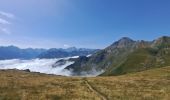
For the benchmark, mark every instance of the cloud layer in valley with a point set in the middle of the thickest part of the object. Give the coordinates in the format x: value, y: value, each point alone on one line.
x: 47, y: 66
x: 37, y: 65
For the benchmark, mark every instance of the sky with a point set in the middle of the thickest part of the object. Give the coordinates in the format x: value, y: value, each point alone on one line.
x: 81, y: 23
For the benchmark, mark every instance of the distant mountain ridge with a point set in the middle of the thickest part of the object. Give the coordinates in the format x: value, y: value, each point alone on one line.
x: 126, y: 56
x: 13, y: 52
x: 69, y: 52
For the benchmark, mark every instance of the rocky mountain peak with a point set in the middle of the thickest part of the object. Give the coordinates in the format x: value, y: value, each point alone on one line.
x: 125, y: 39
x: 162, y: 40
x: 143, y: 44
x: 123, y: 42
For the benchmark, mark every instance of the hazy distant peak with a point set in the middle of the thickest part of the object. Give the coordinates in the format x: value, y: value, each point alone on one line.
x: 70, y: 49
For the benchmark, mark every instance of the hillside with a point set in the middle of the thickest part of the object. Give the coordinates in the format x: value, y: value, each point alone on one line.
x: 147, y: 85
x: 126, y: 56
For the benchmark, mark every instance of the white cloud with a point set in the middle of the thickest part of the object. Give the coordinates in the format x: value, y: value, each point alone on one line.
x: 5, y: 30
x: 4, y: 22
x: 47, y: 66
x: 66, y: 45
x: 6, y: 14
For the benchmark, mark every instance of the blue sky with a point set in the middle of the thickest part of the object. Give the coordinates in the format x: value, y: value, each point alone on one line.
x: 81, y: 23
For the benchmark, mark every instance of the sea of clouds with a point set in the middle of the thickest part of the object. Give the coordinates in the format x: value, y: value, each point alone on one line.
x: 37, y: 65
x: 43, y: 66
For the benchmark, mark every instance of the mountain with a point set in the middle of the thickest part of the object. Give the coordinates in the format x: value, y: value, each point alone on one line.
x: 13, y: 52
x: 126, y: 56
x: 72, y: 51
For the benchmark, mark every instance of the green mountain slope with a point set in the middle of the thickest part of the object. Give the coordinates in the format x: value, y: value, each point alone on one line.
x: 142, y: 59
x: 126, y: 56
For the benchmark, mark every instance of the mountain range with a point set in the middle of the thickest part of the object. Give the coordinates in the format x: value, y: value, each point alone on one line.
x: 122, y: 57
x: 13, y: 52
x: 69, y: 52
x: 126, y: 56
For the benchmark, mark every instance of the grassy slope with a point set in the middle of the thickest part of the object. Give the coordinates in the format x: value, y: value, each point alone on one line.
x: 18, y: 85
x: 134, y: 62
x: 147, y: 85
x: 140, y: 60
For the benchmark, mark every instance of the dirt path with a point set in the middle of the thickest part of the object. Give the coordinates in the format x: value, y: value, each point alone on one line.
x: 95, y: 91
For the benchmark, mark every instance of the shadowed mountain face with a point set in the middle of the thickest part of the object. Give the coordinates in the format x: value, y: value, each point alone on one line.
x: 126, y: 56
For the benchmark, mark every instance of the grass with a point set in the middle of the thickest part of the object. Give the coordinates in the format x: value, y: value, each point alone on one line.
x: 147, y: 85
x: 18, y: 85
